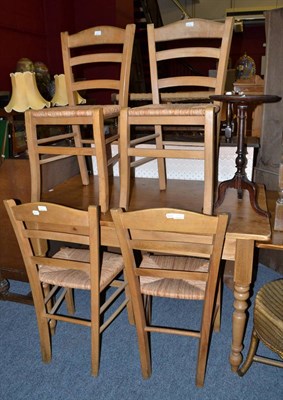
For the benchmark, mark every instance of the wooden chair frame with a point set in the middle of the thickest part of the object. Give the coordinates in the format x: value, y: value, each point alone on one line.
x: 170, y: 114
x: 74, y: 116
x: 168, y: 232
x: 41, y: 222
x: 164, y: 114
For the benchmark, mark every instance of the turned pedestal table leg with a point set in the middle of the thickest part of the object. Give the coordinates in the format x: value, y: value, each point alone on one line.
x: 240, y: 181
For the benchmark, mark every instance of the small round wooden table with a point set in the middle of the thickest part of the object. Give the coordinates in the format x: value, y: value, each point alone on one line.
x: 240, y: 180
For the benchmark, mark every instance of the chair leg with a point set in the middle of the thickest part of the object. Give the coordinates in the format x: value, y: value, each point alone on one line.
x: 143, y: 338
x: 217, y: 317
x: 124, y: 143
x: 130, y: 311
x: 45, y: 341
x: 81, y: 159
x: 145, y: 357
x: 251, y: 353
x: 101, y: 159
x: 202, y: 358
x: 48, y: 305
x: 147, y: 307
x: 70, y: 302
x: 209, y: 140
x: 95, y: 349
x: 43, y: 328
x: 161, y: 161
x: 31, y: 135
x: 206, y: 327
x: 95, y: 333
x: 35, y: 180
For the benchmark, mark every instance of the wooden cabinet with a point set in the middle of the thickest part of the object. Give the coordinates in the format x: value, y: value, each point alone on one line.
x: 15, y: 183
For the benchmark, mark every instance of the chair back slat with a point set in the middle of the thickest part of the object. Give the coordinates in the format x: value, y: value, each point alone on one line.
x: 169, y: 274
x: 171, y: 220
x: 191, y: 28
x: 92, y: 58
x: 181, y: 248
x: 170, y: 236
x: 205, y: 52
x: 61, y: 263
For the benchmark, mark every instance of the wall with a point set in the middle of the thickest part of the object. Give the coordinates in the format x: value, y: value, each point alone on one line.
x: 111, y: 12
x: 22, y: 34
x: 31, y: 28
x: 58, y: 17
x: 250, y: 41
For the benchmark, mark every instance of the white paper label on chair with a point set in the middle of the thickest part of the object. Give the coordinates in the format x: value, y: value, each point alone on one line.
x: 97, y: 33
x: 175, y: 216
x: 42, y: 208
x: 190, y: 23
x: 35, y: 212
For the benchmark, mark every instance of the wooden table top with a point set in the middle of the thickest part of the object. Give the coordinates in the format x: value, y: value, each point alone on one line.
x: 244, y: 222
x: 246, y: 98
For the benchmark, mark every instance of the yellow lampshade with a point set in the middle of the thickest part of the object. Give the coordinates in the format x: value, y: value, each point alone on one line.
x: 25, y: 93
x: 60, y: 97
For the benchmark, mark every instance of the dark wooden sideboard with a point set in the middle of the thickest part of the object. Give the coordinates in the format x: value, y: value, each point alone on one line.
x: 15, y: 183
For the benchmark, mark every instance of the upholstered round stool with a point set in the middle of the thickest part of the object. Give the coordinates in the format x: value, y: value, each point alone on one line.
x: 268, y: 325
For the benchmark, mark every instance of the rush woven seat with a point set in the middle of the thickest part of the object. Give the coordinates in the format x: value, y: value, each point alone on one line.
x: 180, y: 288
x: 112, y: 265
x: 268, y: 325
x: 167, y: 110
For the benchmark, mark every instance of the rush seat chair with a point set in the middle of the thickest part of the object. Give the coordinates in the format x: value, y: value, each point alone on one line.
x: 179, y: 98
x: 175, y: 254
x: 86, y: 55
x: 79, y: 264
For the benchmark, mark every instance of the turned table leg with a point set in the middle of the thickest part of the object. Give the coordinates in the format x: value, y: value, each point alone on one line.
x: 242, y: 280
x: 241, y: 294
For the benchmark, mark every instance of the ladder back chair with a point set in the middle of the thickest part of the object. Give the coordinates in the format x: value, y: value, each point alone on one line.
x: 87, y: 55
x: 81, y: 264
x: 181, y: 254
x: 181, y: 41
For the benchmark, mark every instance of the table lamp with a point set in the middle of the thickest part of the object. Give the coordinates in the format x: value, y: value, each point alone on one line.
x: 60, y: 97
x: 25, y: 93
